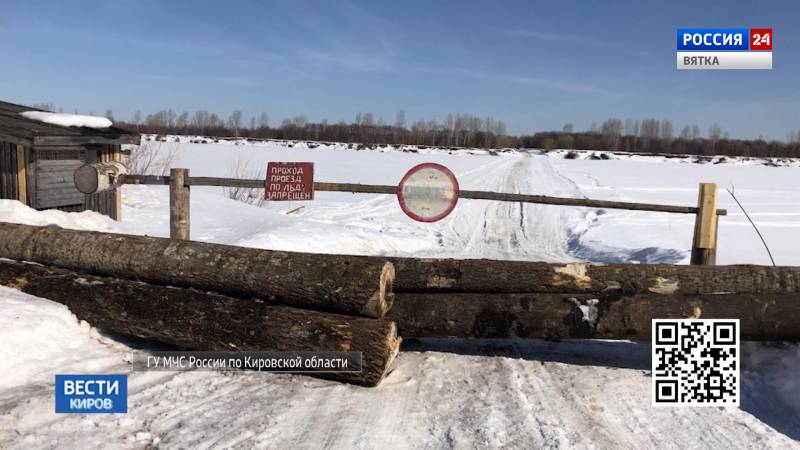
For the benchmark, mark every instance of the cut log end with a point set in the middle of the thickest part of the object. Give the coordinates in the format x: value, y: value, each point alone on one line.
x: 376, y: 367
x: 98, y: 177
x: 382, y: 300
x: 393, y: 342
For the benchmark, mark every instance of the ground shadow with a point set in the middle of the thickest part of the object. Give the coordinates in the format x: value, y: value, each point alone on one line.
x: 763, y: 402
x: 770, y: 384
x: 584, y: 352
x: 145, y: 345
x: 758, y: 397
x: 615, y: 255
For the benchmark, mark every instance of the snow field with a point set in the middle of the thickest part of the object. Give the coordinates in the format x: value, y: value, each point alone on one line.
x: 442, y: 393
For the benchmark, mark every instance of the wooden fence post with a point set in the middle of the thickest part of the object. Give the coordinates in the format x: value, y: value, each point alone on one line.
x: 117, y: 157
x: 178, y: 204
x: 704, y: 245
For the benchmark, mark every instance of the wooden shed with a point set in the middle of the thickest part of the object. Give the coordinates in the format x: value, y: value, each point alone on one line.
x: 37, y: 161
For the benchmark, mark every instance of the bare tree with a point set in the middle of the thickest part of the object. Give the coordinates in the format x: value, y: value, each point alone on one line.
x: 611, y: 130
x: 239, y: 168
x: 235, y: 122
x: 400, y: 119
x: 46, y: 106
x: 152, y: 158
x: 666, y: 129
x: 263, y: 120
x: 715, y: 132
x: 214, y: 121
x: 695, y: 132
x: 366, y: 119
x: 182, y: 122
x: 299, y: 121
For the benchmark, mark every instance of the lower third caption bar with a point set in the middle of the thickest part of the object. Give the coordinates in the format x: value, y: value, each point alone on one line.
x: 273, y: 361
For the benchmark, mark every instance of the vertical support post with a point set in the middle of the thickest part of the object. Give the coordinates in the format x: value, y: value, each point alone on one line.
x: 22, y: 177
x: 704, y: 245
x: 178, y: 204
x: 116, y: 155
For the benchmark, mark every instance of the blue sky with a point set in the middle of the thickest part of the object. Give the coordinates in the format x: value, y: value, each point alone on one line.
x: 535, y: 65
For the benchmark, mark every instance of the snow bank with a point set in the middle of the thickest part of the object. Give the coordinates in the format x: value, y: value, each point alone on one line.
x: 39, y: 335
x: 603, y: 155
x: 15, y: 212
x: 67, y: 120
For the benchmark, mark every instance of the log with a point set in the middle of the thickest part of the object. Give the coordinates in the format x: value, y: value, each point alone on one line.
x: 98, y: 177
x: 490, y: 276
x: 546, y: 316
x: 205, y: 321
x: 764, y: 317
x: 347, y: 284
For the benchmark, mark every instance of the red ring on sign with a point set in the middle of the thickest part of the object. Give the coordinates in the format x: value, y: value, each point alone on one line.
x: 416, y: 169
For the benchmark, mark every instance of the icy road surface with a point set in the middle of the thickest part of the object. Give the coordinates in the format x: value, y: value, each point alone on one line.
x: 441, y: 393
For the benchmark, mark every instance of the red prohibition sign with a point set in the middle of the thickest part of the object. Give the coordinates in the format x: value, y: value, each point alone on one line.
x: 428, y: 192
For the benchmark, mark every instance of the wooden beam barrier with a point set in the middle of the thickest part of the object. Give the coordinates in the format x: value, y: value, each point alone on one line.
x: 385, y: 189
x: 763, y: 317
x: 356, y: 285
x: 704, y: 243
x: 201, y: 320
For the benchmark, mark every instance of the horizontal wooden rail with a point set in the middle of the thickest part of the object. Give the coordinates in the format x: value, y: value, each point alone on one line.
x: 384, y: 189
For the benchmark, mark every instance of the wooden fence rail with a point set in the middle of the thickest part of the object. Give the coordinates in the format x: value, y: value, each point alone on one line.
x: 386, y: 189
x: 703, y: 246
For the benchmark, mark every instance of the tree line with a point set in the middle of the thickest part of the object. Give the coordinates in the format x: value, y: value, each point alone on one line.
x: 658, y: 136
x: 456, y: 130
x: 465, y: 130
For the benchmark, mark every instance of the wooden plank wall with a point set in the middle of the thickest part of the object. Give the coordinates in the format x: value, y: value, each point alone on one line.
x: 39, y: 175
x: 30, y: 172
x: 8, y: 170
x: 22, y: 179
x: 54, y: 185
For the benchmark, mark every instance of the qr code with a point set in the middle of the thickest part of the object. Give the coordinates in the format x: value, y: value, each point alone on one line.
x: 695, y: 362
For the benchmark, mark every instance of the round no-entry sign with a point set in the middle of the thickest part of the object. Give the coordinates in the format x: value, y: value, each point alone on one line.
x: 428, y: 192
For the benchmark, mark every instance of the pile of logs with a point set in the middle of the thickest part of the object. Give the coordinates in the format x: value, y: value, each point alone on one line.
x: 217, y: 297
x: 210, y: 297
x: 483, y: 298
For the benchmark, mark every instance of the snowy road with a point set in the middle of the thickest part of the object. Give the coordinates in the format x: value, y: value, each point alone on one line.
x: 441, y: 393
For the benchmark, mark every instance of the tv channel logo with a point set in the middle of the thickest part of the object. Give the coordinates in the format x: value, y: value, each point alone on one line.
x: 91, y: 393
x: 724, y: 48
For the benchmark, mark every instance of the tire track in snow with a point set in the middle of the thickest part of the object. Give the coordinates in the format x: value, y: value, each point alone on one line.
x: 515, y: 230
x: 475, y: 229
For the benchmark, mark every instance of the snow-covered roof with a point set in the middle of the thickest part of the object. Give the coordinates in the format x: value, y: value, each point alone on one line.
x: 67, y: 120
x: 24, y: 125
